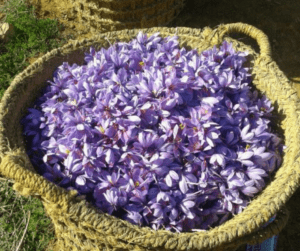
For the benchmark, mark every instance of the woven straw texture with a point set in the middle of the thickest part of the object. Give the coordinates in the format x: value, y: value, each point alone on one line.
x: 79, y: 225
x: 111, y: 15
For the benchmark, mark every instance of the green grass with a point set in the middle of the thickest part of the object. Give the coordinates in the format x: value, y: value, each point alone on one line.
x: 32, y: 36
x: 23, y: 223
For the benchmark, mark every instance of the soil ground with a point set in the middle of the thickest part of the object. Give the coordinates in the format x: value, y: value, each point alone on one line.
x: 279, y: 19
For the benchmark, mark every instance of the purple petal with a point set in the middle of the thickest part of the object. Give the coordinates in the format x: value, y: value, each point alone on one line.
x: 247, y: 163
x: 246, y: 155
x: 168, y: 104
x: 260, y: 129
x: 110, y: 157
x: 168, y: 180
x: 210, y: 142
x: 76, y: 167
x: 173, y: 214
x: 249, y: 183
x: 174, y: 175
x: 228, y: 205
x: 256, y: 173
x: 250, y: 191
x: 87, y: 149
x: 175, y: 131
x: 259, y: 150
x: 245, y: 130
x: 141, y: 138
x: 189, y: 204
x: 214, y: 135
x: 80, y: 180
x: 80, y: 127
x: 134, y: 119
x: 266, y: 156
x: 229, y: 136
x: 210, y: 100
x: 248, y: 136
x: 183, y: 185
x: 237, y: 183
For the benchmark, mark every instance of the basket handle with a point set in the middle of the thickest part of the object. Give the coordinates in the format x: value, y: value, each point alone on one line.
x: 249, y: 30
x: 28, y: 183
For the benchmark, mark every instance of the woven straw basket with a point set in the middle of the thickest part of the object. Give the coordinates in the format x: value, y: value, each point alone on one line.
x: 79, y: 225
x: 111, y: 15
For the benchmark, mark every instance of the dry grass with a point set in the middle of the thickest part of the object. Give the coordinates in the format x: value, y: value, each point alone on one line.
x: 23, y: 223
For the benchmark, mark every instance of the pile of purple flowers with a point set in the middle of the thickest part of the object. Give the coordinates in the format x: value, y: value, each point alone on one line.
x: 156, y: 135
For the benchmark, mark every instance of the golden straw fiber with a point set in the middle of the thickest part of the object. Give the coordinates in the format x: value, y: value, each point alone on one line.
x: 94, y: 16
x: 79, y: 225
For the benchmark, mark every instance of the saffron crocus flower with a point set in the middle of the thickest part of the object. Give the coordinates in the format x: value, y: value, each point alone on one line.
x: 108, y: 181
x: 105, y: 127
x: 173, y: 84
x: 76, y: 126
x: 150, y: 86
x: 111, y: 197
x: 125, y: 132
x: 105, y: 105
x: 134, y: 217
x: 55, y: 174
x: 145, y: 140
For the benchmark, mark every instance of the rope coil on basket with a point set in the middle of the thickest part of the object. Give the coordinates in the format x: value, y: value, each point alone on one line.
x: 80, y: 226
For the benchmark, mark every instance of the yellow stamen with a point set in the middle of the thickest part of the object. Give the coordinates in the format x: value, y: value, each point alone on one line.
x: 102, y: 129
x: 263, y: 109
x: 170, y: 67
x: 74, y: 102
